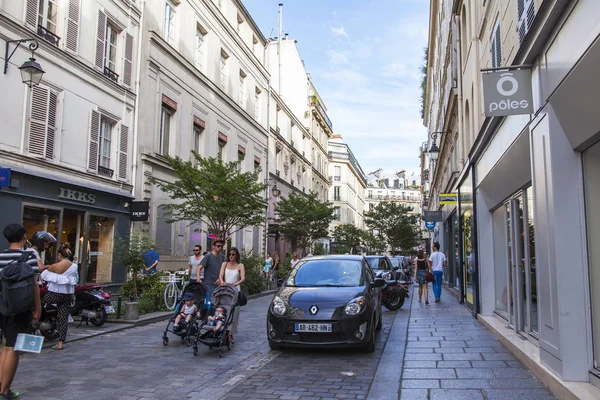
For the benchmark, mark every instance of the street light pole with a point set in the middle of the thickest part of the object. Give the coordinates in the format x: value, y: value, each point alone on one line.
x: 31, y: 71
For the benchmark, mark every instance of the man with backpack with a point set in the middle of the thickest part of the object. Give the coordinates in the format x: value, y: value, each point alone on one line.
x: 17, y: 267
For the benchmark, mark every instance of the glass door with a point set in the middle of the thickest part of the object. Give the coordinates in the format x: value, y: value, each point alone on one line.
x: 39, y: 218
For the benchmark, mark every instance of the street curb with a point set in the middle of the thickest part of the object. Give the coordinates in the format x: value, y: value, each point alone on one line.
x: 133, y: 324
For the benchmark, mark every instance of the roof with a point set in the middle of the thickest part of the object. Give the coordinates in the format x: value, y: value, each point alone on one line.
x: 354, y: 257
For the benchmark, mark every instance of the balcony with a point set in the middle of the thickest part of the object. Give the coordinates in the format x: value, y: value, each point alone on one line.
x: 277, y: 172
x: 337, y: 178
x: 105, y: 171
x: 110, y: 74
x: 47, y: 35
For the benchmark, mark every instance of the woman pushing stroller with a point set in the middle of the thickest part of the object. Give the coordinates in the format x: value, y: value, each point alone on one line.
x: 233, y: 273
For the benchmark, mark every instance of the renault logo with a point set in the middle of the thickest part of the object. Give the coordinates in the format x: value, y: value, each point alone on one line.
x: 313, y: 310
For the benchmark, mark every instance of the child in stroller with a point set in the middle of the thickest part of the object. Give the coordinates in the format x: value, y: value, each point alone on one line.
x: 185, y: 314
x: 224, y: 301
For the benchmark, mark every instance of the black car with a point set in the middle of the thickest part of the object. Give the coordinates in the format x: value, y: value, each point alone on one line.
x: 332, y: 301
x: 382, y: 266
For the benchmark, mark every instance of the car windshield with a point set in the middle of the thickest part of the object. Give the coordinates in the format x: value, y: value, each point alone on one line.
x: 395, y: 262
x: 376, y: 262
x: 327, y: 273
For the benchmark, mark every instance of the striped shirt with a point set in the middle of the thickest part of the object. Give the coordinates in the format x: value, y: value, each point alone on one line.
x: 10, y: 256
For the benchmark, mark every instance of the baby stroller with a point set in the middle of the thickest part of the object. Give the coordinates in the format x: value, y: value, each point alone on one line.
x: 225, y: 296
x: 186, y: 331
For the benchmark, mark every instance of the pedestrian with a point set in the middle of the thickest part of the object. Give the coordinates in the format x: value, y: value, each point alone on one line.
x: 211, y: 264
x: 233, y: 273
x: 294, y: 260
x: 422, y: 266
x: 438, y: 261
x: 275, y: 267
x: 196, y: 270
x: 61, y: 288
x: 268, y: 265
x: 12, y: 325
x: 151, y: 259
x: 40, y: 241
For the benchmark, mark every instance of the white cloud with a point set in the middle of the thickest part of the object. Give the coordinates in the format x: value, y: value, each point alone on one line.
x: 339, y: 31
x: 337, y: 58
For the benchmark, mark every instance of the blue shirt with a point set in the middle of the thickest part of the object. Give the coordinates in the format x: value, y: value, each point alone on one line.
x: 150, y: 257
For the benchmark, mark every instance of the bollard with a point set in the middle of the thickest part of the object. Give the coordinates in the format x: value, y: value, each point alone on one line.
x: 119, y: 308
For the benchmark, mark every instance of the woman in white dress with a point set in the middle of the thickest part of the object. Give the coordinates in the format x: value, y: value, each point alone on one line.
x: 233, y: 273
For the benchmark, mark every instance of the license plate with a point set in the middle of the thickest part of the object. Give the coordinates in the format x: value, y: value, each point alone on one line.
x: 313, y: 327
x: 109, y: 309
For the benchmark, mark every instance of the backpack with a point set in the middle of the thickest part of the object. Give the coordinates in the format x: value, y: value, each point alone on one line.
x: 16, y: 287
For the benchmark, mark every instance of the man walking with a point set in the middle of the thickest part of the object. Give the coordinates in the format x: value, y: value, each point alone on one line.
x: 196, y: 274
x: 12, y: 325
x: 151, y: 259
x: 211, y: 264
x: 438, y: 261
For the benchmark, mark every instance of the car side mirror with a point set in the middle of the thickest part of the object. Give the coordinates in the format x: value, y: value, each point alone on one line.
x: 379, y: 282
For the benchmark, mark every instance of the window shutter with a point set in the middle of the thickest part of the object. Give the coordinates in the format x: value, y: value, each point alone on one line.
x: 38, y: 120
x: 123, y: 147
x: 498, y: 47
x: 100, y: 38
x: 51, y: 127
x: 31, y: 13
x: 94, y: 136
x: 128, y: 59
x: 73, y: 25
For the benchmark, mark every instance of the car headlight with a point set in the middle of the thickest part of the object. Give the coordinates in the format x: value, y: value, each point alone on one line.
x: 278, y: 306
x: 355, y: 306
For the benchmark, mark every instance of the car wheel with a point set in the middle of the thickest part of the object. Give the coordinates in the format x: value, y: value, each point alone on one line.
x: 370, y: 346
x: 273, y: 346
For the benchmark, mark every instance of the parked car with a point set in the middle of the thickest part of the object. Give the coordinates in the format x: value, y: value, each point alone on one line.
x: 332, y: 301
x: 382, y: 266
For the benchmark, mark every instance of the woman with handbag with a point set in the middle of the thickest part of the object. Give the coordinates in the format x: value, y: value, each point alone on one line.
x: 422, y: 273
x: 233, y: 273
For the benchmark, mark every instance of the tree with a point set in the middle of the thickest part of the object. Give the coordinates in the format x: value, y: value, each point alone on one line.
x: 375, y: 244
x: 130, y: 254
x: 395, y: 223
x: 347, y: 238
x: 423, y: 71
x: 216, y: 193
x: 303, y: 219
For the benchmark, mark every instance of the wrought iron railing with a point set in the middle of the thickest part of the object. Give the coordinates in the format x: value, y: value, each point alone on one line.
x: 110, y: 74
x: 105, y: 171
x: 47, y: 35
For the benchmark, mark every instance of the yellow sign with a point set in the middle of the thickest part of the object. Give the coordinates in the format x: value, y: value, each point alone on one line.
x: 448, y: 198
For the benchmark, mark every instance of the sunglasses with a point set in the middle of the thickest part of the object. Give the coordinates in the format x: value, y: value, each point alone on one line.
x: 220, y: 246
x: 196, y: 251
x: 232, y: 254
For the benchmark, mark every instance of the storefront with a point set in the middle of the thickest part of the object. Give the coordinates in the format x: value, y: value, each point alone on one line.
x: 467, y: 269
x: 88, y: 219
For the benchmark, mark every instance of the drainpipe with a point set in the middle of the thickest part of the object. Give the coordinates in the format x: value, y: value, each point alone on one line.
x: 136, y: 111
x: 265, y: 236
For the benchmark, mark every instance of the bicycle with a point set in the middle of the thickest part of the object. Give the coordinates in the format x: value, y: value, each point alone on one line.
x: 172, y: 290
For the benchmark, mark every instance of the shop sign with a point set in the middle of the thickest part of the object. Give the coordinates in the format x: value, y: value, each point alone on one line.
x: 507, y: 93
x: 430, y: 225
x: 433, y: 216
x: 4, y: 177
x: 139, y: 211
x: 76, y: 195
x: 448, y: 198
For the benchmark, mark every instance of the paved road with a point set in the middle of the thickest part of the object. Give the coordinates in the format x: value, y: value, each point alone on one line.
x: 449, y: 355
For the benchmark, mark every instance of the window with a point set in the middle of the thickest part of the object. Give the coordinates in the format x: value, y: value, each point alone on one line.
x: 222, y: 144
x: 526, y: 12
x: 110, y: 54
x: 256, y: 163
x: 337, y: 213
x: 242, y: 94
x: 496, y: 47
x: 42, y: 122
x: 164, y: 232
x: 198, y: 129
x: 241, y: 157
x: 336, y: 193
x: 337, y: 176
x: 106, y: 128
x: 257, y: 103
x: 165, y: 130
x: 169, y: 25
x: 200, y: 44
x: 223, y: 69
x: 47, y: 15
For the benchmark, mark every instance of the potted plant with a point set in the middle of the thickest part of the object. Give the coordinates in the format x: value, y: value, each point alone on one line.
x: 130, y: 254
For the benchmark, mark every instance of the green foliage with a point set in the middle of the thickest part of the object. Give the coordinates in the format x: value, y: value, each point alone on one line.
x: 423, y: 70
x: 150, y: 291
x: 303, y: 219
x: 129, y: 253
x: 318, y: 249
x: 285, y: 267
x: 255, y: 279
x: 216, y: 193
x: 395, y: 224
x: 375, y: 243
x: 347, y: 238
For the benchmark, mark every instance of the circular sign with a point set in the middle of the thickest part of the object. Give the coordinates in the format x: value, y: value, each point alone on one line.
x: 507, y: 78
x: 429, y: 225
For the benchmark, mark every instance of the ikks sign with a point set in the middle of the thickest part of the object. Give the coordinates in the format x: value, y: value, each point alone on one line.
x: 507, y: 93
x: 74, y: 195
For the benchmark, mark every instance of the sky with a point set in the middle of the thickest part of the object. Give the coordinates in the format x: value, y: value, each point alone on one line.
x: 364, y: 58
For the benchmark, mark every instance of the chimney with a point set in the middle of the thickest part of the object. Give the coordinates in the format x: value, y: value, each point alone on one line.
x: 286, y: 36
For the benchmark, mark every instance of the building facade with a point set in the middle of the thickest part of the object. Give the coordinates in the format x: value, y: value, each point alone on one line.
x: 526, y: 187
x: 347, y: 192
x: 395, y: 188
x: 69, y: 140
x: 203, y: 87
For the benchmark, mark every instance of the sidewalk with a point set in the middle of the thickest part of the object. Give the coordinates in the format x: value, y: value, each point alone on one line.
x: 75, y: 334
x: 450, y: 355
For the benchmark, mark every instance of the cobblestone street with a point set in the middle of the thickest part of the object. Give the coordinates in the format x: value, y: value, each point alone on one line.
x: 443, y: 354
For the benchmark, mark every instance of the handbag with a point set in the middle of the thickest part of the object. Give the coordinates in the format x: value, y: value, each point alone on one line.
x: 242, y: 299
x: 429, y: 277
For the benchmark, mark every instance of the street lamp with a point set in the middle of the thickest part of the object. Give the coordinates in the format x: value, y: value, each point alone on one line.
x: 275, y: 191
x: 31, y: 71
x: 434, y: 151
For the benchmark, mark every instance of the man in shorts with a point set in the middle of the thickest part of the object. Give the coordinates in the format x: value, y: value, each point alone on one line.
x: 12, y: 325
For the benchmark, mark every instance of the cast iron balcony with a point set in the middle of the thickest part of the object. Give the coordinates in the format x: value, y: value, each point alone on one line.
x: 105, y: 171
x: 110, y: 74
x: 47, y: 35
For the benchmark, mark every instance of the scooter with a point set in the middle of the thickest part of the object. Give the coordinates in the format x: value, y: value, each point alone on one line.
x: 92, y: 304
x: 393, y: 295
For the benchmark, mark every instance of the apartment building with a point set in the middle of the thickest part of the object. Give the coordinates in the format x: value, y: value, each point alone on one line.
x: 392, y: 188
x: 68, y: 142
x: 349, y: 182
x: 203, y: 87
x: 523, y: 228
